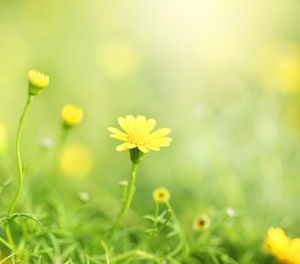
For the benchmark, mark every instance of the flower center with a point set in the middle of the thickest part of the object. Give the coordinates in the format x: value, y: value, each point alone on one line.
x: 201, y: 222
x: 139, y: 137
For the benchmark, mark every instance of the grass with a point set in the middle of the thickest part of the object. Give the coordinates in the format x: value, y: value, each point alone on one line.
x: 229, y: 91
x: 56, y: 225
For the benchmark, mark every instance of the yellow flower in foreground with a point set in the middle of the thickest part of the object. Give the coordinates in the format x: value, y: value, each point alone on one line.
x: 201, y: 222
x: 137, y: 134
x: 76, y: 160
x: 161, y: 195
x: 286, y: 250
x: 37, y: 81
x: 71, y: 115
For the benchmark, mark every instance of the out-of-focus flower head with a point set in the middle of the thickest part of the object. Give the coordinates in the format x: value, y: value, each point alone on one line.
x: 84, y: 196
x: 161, y: 195
x: 46, y: 143
x: 76, y: 160
x: 285, y: 249
x: 71, y: 115
x: 280, y: 66
x: 229, y: 211
x: 201, y: 222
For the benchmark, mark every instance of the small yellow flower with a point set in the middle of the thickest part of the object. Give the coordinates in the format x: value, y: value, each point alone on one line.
x: 37, y: 81
x: 285, y: 249
x: 76, y: 160
x: 161, y: 195
x: 138, y: 134
x: 280, y: 66
x: 201, y: 222
x: 71, y: 115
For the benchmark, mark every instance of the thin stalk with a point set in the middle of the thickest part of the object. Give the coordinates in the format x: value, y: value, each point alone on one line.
x: 20, y: 169
x: 5, y: 243
x: 58, y: 151
x: 125, y: 208
x: 182, y: 238
x: 146, y: 240
x: 106, y: 251
x: 156, y: 214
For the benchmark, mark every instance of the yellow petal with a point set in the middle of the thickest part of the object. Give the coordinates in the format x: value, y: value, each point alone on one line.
x: 116, y: 131
x: 130, y: 122
x: 140, y: 119
x: 143, y: 149
x: 162, y: 142
x: 125, y: 146
x: 123, y: 124
x: 130, y: 119
x: 118, y: 137
x: 150, y: 124
x: 153, y: 147
x: 161, y: 132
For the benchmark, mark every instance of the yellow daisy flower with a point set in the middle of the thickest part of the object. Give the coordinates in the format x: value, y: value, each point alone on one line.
x: 37, y: 81
x: 161, y: 195
x: 137, y: 134
x: 201, y: 222
x: 285, y: 249
x: 71, y: 115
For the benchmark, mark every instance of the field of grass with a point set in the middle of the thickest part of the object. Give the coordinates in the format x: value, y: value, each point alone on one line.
x: 222, y: 78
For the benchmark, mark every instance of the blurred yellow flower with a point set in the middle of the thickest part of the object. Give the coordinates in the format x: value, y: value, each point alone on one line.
x: 286, y: 250
x: 2, y: 138
x: 201, y: 222
x: 289, y: 114
x: 138, y: 134
x: 71, y: 115
x: 161, y: 195
x: 118, y: 58
x: 76, y: 159
x: 37, y: 81
x: 280, y: 66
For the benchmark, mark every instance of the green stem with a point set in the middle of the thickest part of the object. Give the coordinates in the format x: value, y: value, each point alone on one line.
x: 205, y: 236
x: 20, y: 168
x: 147, y: 255
x: 146, y: 240
x: 59, y: 151
x: 125, y: 208
x: 5, y: 243
x: 156, y: 214
x: 106, y: 251
x: 182, y: 239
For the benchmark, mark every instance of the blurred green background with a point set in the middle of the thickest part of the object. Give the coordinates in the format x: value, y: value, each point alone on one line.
x: 223, y: 75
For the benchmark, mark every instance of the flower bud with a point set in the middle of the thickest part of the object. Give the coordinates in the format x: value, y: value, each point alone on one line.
x: 230, y: 212
x: 84, y: 196
x: 46, y: 143
x: 123, y: 183
x: 37, y: 81
x: 71, y: 115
